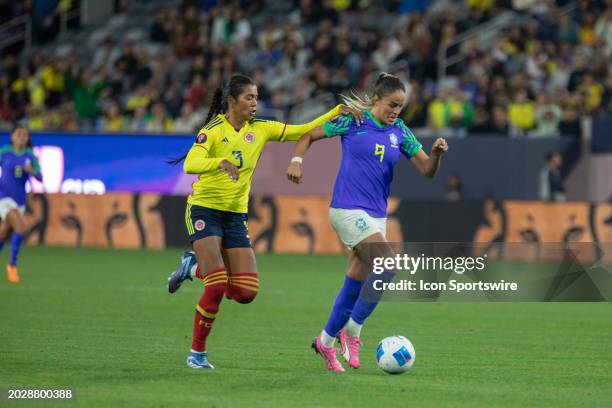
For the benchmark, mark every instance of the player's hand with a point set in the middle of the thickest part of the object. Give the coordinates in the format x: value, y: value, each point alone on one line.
x: 358, y: 115
x: 28, y: 167
x: 228, y: 167
x: 439, y: 147
x: 294, y: 173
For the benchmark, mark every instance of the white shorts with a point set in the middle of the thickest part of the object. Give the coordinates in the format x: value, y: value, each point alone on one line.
x: 7, y: 204
x: 353, y: 226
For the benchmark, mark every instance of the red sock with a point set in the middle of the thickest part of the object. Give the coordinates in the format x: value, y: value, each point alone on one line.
x: 215, y: 283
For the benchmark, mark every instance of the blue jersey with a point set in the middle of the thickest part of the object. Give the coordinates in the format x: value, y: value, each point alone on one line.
x: 14, y: 177
x: 369, y: 155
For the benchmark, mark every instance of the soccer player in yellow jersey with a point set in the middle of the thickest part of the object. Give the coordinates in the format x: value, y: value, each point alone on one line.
x: 224, y: 156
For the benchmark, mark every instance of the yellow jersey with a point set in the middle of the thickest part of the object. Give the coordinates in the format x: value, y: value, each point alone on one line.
x: 218, y: 140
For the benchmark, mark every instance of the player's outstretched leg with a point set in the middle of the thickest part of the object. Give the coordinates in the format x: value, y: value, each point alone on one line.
x: 186, y: 270
x: 341, y: 311
x: 364, y: 307
x: 11, y: 269
x: 16, y: 243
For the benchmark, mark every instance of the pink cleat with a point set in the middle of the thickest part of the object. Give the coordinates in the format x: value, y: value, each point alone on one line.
x: 350, y: 348
x: 328, y: 354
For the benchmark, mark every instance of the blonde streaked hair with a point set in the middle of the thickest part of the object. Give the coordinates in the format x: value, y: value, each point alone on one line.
x: 384, y: 85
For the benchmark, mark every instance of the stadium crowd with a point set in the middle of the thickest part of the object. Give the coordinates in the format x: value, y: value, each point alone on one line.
x: 537, y: 77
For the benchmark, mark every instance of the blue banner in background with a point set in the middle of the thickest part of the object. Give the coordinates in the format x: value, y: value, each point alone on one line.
x: 100, y: 163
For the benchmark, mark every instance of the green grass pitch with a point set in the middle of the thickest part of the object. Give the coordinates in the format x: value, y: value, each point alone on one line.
x: 101, y: 322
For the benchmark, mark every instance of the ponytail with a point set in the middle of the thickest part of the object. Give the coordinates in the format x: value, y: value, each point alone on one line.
x: 385, y: 84
x: 360, y: 102
x: 216, y: 107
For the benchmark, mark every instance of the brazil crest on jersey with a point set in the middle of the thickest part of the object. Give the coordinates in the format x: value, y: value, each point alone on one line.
x: 369, y: 155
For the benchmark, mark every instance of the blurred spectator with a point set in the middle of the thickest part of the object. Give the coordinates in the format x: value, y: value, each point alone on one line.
x: 161, y: 29
x: 52, y: 76
x: 567, y: 30
x: 196, y: 92
x: 551, y: 181
x: 459, y: 111
x: 7, y: 113
x: 603, y: 30
x: 436, y: 116
x: 85, y: 92
x: 112, y: 121
x: 105, y: 56
x: 497, y: 126
x: 587, y: 30
x: 188, y: 121
x: 387, y: 51
x: 521, y: 112
x: 140, y: 98
x: 454, y: 188
x: 159, y: 122
x: 127, y: 62
x: 139, y: 121
x: 592, y: 92
x: 415, y: 113
x: 548, y: 117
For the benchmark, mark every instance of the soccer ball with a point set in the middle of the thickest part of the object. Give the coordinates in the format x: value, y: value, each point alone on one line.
x: 395, y: 354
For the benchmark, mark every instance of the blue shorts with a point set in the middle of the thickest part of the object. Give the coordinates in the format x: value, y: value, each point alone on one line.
x: 205, y: 222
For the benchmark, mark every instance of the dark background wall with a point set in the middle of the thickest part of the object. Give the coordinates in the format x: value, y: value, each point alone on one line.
x: 488, y: 167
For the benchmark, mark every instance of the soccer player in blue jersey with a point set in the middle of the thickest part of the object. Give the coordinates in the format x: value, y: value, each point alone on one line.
x: 18, y: 163
x: 370, y: 151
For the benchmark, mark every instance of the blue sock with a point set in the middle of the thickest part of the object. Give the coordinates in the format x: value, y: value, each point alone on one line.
x: 343, y: 306
x: 369, y: 296
x: 16, y: 241
x: 1, y: 245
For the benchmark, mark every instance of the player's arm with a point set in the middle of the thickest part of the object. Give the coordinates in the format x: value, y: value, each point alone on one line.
x: 32, y: 167
x: 291, y: 133
x: 413, y: 150
x: 337, y: 127
x: 428, y: 165
x: 198, y: 160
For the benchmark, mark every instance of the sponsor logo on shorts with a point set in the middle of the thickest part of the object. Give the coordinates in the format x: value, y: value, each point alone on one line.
x: 361, y: 224
x: 249, y: 137
x: 199, y: 225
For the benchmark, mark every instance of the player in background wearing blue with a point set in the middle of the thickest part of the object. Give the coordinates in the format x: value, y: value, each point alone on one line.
x: 358, y: 211
x: 18, y: 163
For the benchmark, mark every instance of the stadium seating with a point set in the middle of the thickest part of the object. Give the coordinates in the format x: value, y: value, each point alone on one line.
x: 472, y: 67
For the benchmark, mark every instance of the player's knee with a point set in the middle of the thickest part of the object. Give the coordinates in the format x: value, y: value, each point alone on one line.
x: 243, y: 288
x: 244, y: 296
x: 241, y: 294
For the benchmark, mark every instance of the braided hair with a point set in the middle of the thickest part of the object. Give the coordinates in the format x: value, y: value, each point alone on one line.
x: 233, y: 87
